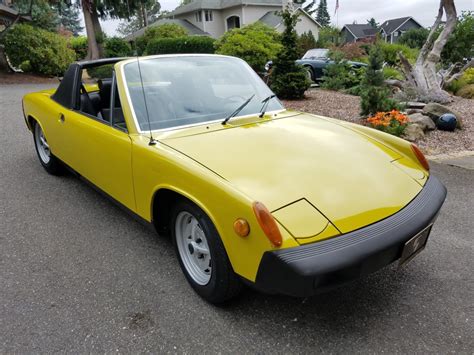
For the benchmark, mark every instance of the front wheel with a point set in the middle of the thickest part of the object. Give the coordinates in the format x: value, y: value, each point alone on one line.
x: 49, y: 162
x: 202, y: 255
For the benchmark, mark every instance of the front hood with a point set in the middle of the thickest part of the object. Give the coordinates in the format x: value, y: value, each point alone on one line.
x: 348, y: 177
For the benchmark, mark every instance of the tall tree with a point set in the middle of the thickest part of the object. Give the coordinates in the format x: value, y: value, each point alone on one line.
x: 95, y: 9
x: 322, y: 14
x: 310, y: 8
x: 147, y: 13
x: 42, y: 14
x: 373, y: 23
x: 423, y: 76
x: 69, y: 17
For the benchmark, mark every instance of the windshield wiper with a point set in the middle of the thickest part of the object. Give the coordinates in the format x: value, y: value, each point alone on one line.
x: 240, y: 108
x: 265, y: 102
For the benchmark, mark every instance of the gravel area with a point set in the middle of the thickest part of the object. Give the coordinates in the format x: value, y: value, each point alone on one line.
x: 346, y: 107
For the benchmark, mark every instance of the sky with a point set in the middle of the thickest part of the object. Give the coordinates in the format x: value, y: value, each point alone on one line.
x: 424, y: 11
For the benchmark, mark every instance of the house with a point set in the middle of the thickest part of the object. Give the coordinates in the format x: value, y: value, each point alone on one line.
x: 215, y: 17
x: 356, y: 33
x: 188, y: 26
x: 8, y: 15
x: 391, y: 30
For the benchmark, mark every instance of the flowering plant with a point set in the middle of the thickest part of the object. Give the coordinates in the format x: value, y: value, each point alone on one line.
x: 392, y: 122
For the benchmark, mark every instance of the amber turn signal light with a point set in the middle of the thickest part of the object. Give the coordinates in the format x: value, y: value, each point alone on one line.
x: 241, y: 227
x: 267, y: 223
x: 420, y: 156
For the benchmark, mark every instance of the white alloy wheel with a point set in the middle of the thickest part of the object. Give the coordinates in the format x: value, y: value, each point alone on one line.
x: 193, y: 248
x: 42, y: 145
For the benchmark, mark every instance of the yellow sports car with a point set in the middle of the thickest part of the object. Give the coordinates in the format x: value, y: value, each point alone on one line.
x: 251, y: 193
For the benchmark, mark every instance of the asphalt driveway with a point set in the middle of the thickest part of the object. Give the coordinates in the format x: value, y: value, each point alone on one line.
x: 77, y: 274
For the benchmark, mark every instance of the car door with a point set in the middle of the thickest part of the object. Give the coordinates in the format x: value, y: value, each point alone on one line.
x: 99, y: 150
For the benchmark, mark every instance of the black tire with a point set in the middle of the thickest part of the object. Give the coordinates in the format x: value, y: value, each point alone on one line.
x: 224, y: 284
x: 54, y: 165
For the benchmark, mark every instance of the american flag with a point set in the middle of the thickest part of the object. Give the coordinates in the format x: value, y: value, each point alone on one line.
x: 337, y: 7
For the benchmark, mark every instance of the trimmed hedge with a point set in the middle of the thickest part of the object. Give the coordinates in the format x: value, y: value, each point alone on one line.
x: 46, y: 52
x: 189, y: 44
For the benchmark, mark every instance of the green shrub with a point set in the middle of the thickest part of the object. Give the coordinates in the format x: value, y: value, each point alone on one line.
x: 375, y: 95
x: 466, y: 79
x: 102, y: 72
x: 340, y: 75
x: 116, y: 47
x: 47, y: 52
x: 288, y: 80
x: 167, y: 30
x: 255, y: 43
x: 390, y: 52
x: 467, y: 92
x: 414, y: 38
x: 392, y: 73
x: 79, y: 46
x: 189, y: 44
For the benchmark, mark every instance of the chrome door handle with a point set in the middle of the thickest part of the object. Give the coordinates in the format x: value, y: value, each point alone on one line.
x: 62, y: 118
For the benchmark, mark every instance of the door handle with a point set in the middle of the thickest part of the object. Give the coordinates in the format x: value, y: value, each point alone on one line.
x: 62, y: 118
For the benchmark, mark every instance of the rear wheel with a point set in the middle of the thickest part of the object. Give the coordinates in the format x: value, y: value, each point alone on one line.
x: 202, y: 255
x: 49, y: 162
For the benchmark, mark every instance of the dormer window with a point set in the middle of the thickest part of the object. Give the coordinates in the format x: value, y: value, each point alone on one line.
x: 208, y: 15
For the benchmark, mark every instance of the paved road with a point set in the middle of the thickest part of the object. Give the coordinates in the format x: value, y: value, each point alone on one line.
x: 77, y: 274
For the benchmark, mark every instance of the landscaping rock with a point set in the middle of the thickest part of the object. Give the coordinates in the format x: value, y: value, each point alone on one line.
x: 411, y: 111
x: 413, y: 132
x: 425, y: 122
x: 435, y: 110
x: 414, y: 105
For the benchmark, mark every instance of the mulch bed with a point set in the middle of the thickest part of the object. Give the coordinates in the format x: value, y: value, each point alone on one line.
x: 346, y: 107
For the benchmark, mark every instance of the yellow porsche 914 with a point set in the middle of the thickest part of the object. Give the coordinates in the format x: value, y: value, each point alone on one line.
x: 250, y: 193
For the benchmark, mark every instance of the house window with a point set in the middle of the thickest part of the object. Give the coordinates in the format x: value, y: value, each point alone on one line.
x: 233, y: 22
x: 208, y: 15
x: 198, y: 16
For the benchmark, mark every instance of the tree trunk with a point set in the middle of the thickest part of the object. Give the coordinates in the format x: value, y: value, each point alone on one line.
x: 423, y: 76
x: 93, y: 51
x: 99, y: 35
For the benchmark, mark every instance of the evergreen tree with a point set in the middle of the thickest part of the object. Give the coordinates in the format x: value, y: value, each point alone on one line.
x: 288, y: 79
x: 42, y: 15
x: 375, y: 95
x: 69, y: 17
x: 310, y: 8
x: 373, y: 23
x: 322, y: 14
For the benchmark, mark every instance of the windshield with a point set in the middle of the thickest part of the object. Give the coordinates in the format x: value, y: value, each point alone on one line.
x: 187, y: 90
x: 316, y: 53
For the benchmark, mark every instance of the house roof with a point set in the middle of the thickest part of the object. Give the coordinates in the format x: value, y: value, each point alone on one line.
x: 188, y: 26
x: 361, y: 31
x: 392, y: 25
x: 273, y: 18
x: 6, y: 10
x: 220, y: 4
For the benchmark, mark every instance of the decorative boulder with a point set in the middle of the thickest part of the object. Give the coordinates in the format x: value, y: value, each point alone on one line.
x: 416, y: 105
x: 435, y: 111
x: 424, y: 121
x: 411, y: 111
x: 413, y: 132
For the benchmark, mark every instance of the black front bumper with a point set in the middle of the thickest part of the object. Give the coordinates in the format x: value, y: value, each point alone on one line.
x: 308, y: 269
